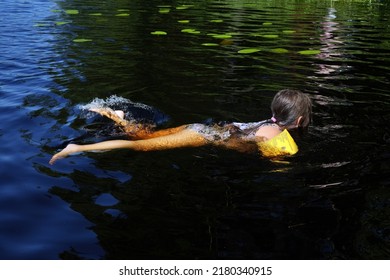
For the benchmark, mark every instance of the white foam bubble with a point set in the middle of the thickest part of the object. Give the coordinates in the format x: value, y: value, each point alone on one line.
x: 111, y: 101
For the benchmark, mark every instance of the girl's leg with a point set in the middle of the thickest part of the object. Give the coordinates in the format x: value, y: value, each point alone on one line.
x: 137, y: 131
x: 120, y: 113
x: 180, y: 139
x: 147, y: 134
x: 116, y: 116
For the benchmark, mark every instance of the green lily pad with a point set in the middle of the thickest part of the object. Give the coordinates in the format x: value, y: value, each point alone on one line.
x: 278, y: 50
x: 159, y: 33
x: 123, y: 10
x: 72, y: 12
x: 96, y: 14
x: 190, y: 30
x: 309, y: 52
x: 81, y: 40
x: 122, y: 15
x: 217, y: 20
x: 249, y: 50
x: 270, y: 36
x: 267, y: 23
x: 210, y: 44
x: 183, y: 21
x: 164, y: 10
x: 56, y: 11
x: 222, y: 36
x: 58, y: 23
x: 184, y: 7
x: 288, y: 31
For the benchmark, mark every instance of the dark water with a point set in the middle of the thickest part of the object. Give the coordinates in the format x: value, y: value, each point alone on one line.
x: 329, y: 201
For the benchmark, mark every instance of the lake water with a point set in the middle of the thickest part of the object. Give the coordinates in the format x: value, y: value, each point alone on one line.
x: 194, y: 61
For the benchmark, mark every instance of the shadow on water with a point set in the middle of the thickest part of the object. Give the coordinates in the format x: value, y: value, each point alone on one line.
x: 330, y: 201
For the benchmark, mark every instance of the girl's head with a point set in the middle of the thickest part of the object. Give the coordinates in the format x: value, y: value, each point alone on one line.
x: 291, y: 109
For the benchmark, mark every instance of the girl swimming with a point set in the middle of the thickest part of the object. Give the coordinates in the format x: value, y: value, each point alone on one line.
x: 291, y: 109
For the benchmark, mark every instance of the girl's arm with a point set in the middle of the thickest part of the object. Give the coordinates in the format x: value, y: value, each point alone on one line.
x: 183, y: 138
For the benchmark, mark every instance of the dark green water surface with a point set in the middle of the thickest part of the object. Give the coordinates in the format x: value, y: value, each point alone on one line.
x: 195, y: 61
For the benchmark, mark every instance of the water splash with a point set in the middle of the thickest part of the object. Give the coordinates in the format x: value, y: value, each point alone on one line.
x: 134, y: 111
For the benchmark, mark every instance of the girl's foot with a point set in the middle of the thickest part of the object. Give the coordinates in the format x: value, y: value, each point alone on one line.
x: 107, y: 111
x: 120, y: 114
x: 70, y: 149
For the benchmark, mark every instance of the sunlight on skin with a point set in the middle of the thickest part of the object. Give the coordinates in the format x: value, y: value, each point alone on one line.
x: 181, y: 139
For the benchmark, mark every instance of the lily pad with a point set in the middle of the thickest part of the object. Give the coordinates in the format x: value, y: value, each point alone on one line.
x: 279, y: 50
x: 190, y: 30
x: 267, y: 23
x: 164, y: 10
x: 249, y: 50
x: 288, y: 31
x: 58, y: 23
x: 72, y: 12
x: 210, y: 44
x: 222, y: 36
x: 159, y: 33
x: 309, y: 52
x: 122, y: 15
x: 123, y: 10
x: 96, y: 14
x: 270, y: 36
x: 183, y: 21
x: 82, y: 40
x: 184, y: 7
x: 216, y: 20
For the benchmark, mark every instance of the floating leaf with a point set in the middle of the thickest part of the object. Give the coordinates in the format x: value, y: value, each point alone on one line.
x: 58, y: 23
x: 288, y: 31
x: 249, y: 50
x: 216, y: 20
x: 267, y: 23
x: 190, y: 30
x: 270, y: 36
x: 309, y: 52
x: 183, y: 7
x: 123, y: 10
x: 279, y: 50
x: 72, y: 12
x: 222, y: 36
x: 56, y: 11
x: 82, y: 40
x: 159, y: 33
x: 210, y: 44
x: 96, y: 14
x: 164, y: 10
x: 122, y: 15
x: 183, y: 21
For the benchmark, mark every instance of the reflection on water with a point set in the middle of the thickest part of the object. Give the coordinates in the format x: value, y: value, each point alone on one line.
x: 218, y: 59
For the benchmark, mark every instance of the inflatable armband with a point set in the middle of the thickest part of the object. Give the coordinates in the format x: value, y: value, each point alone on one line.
x: 282, y: 144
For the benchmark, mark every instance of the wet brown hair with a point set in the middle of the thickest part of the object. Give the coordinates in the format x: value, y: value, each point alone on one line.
x: 288, y: 105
